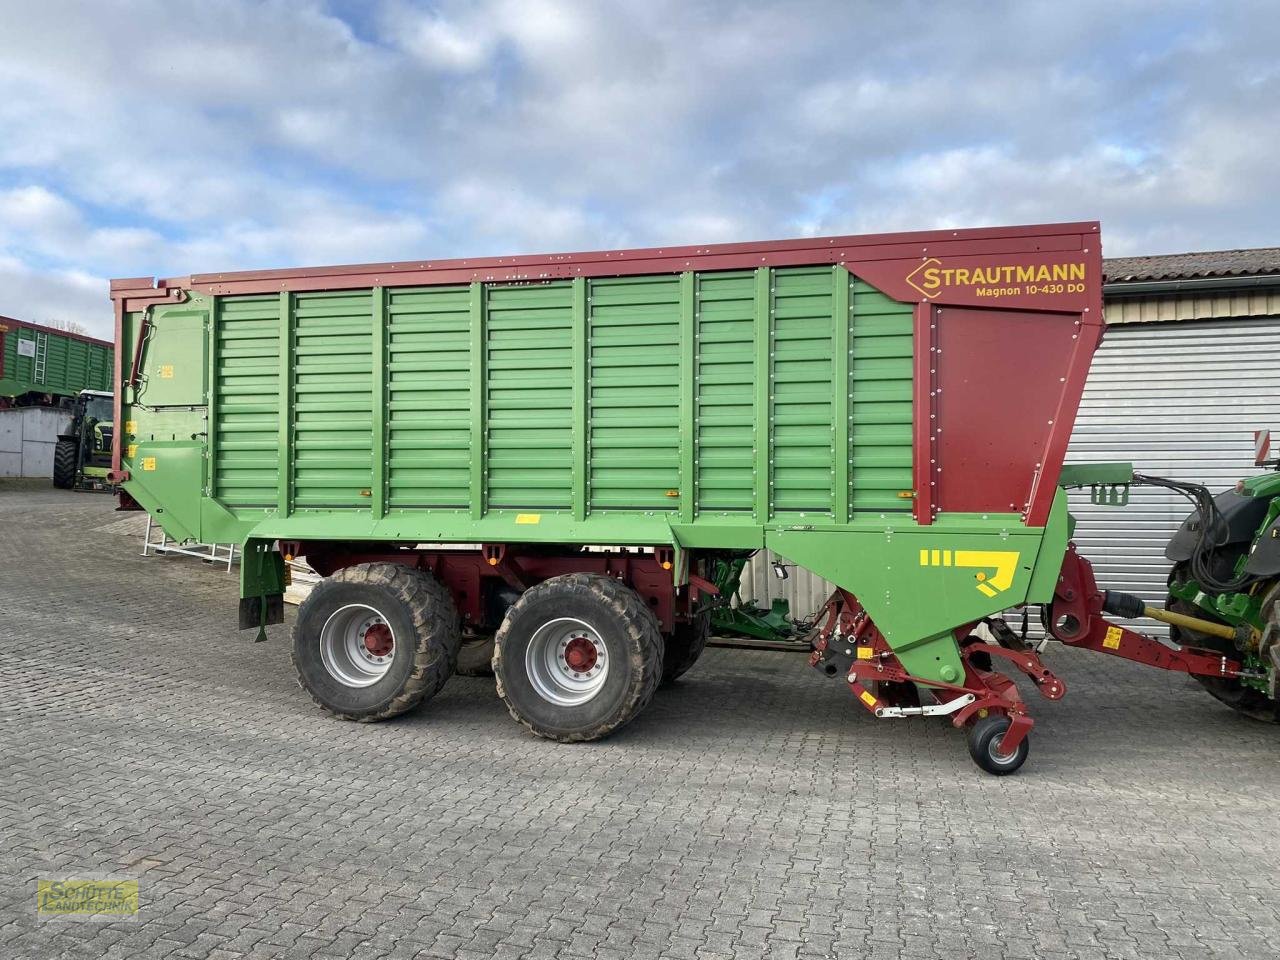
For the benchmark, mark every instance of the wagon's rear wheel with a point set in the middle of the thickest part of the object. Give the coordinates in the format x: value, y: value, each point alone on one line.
x: 375, y: 640
x: 1246, y: 700
x: 577, y: 657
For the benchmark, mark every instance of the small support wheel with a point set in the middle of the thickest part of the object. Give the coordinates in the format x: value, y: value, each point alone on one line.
x: 984, y: 746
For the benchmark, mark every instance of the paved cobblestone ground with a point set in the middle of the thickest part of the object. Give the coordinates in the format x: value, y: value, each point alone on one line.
x: 752, y: 811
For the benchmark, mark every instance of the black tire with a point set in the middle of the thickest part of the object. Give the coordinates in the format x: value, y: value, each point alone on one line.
x: 621, y: 625
x: 64, y: 464
x: 984, y: 739
x: 424, y: 625
x: 1244, y: 700
x: 685, y: 646
x: 475, y: 657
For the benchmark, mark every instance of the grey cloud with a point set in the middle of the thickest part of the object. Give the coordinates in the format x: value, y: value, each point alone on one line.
x: 179, y: 136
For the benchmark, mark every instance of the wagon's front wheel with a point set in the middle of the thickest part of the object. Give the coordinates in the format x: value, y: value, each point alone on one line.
x: 577, y: 657
x: 984, y: 746
x: 375, y: 640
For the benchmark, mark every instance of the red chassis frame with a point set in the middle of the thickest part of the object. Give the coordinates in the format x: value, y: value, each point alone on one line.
x: 466, y: 572
x: 1074, y: 617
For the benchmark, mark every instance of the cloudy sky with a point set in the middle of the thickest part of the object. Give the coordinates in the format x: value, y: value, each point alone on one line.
x: 161, y: 138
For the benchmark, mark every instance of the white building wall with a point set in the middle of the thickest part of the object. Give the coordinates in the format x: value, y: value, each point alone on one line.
x: 27, y: 439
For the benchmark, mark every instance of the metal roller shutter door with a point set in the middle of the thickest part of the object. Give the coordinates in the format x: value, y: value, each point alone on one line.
x: 1177, y: 399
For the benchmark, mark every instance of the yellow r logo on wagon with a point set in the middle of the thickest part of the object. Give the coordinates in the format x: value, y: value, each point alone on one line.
x: 995, y: 568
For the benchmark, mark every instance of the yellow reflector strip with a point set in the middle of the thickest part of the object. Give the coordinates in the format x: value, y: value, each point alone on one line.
x: 528, y: 518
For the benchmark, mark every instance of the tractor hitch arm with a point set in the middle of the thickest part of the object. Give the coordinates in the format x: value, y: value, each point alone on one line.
x: 1075, y: 618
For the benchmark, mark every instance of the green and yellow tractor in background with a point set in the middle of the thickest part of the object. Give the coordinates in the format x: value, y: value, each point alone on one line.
x: 82, y: 456
x: 1228, y: 571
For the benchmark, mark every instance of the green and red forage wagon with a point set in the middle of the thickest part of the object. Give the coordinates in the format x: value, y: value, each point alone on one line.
x: 556, y: 450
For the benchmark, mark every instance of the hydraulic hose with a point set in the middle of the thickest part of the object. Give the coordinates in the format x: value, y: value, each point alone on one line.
x: 1213, y: 533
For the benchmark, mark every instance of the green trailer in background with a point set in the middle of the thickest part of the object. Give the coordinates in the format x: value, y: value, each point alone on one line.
x: 41, y: 365
x: 562, y: 451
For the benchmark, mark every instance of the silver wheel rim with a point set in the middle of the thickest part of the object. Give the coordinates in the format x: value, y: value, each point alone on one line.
x: 993, y: 750
x: 353, y: 645
x: 567, y: 662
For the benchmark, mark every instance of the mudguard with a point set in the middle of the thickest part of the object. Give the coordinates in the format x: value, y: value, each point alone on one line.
x: 1242, y: 515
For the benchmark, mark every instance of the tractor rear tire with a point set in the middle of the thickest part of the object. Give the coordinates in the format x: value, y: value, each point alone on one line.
x: 64, y: 464
x: 577, y: 657
x: 375, y: 640
x: 475, y: 657
x: 685, y: 646
x: 1244, y: 700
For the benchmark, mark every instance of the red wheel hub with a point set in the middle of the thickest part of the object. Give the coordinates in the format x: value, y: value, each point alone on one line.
x: 378, y: 640
x: 580, y: 654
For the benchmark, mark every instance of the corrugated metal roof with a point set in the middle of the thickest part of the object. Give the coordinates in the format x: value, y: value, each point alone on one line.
x: 1193, y: 266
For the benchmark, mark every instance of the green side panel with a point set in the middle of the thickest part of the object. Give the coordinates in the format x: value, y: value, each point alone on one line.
x: 1053, y: 546
x: 429, y: 382
x: 174, y: 368
x: 724, y: 424
x: 800, y: 396
x: 1084, y: 474
x: 171, y: 490
x: 333, y: 400
x: 633, y: 393
x: 919, y: 583
x: 529, y: 396
x: 880, y: 388
x: 246, y: 389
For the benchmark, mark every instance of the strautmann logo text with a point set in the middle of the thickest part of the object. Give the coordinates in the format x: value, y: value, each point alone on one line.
x: 933, y: 277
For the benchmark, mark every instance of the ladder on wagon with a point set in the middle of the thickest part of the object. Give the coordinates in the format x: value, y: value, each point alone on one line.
x: 41, y: 358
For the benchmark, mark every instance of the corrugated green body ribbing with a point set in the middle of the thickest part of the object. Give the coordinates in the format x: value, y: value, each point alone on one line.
x: 245, y: 439
x: 726, y: 410
x: 727, y: 395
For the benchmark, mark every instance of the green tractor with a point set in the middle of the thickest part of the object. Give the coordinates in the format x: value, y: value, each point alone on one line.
x: 82, y: 456
x: 1227, y: 570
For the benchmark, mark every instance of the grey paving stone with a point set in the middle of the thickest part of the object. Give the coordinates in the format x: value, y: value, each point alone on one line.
x: 753, y: 810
